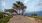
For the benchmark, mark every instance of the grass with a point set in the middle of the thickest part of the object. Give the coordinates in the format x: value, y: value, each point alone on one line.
x: 5, y: 19
x: 35, y: 16
x: 38, y: 17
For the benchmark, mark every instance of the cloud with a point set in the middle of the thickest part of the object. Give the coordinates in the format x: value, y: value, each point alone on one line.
x: 40, y: 3
x: 3, y: 4
x: 32, y: 7
x: 25, y: 1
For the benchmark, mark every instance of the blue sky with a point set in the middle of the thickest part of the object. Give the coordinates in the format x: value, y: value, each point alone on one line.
x: 32, y: 5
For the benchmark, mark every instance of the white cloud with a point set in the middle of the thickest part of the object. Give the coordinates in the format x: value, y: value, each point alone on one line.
x: 3, y: 4
x: 25, y: 1
x: 32, y: 8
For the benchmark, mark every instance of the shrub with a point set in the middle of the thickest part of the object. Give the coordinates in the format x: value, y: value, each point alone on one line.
x: 1, y: 14
x: 25, y: 15
x: 5, y: 19
x: 34, y: 15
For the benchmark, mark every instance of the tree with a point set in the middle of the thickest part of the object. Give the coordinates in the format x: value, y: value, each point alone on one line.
x: 20, y: 6
x: 16, y: 6
x: 11, y: 10
x: 23, y: 9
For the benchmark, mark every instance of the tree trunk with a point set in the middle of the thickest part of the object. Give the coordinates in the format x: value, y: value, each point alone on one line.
x: 22, y: 12
x: 19, y: 11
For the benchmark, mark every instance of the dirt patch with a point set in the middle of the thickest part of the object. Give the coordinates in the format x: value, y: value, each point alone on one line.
x: 22, y: 19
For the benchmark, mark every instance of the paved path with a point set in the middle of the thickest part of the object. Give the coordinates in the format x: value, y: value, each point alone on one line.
x: 21, y: 19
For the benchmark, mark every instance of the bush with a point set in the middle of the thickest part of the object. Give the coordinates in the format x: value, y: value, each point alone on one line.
x: 5, y: 19
x: 34, y: 15
x: 25, y: 15
x: 1, y: 14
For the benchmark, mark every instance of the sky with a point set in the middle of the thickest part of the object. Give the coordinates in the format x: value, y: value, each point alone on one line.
x: 32, y: 5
